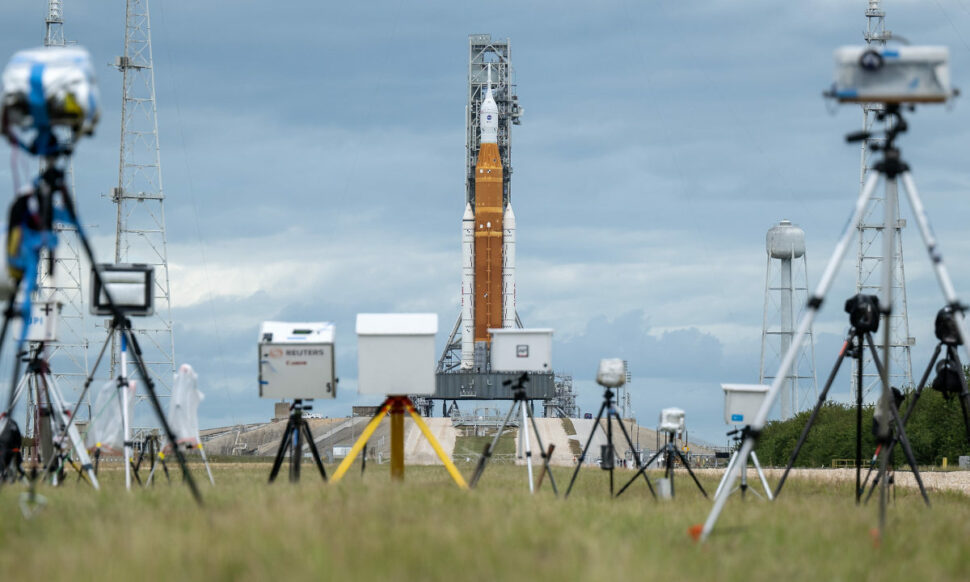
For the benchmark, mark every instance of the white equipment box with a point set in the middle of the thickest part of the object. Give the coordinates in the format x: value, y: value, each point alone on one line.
x: 672, y: 420
x: 43, y: 322
x: 395, y: 353
x: 521, y: 350
x: 906, y: 74
x: 296, y: 360
x: 742, y: 402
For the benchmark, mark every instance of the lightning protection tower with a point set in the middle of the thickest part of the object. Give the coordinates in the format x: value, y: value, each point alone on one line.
x: 69, y: 355
x: 786, y: 285
x: 140, y: 228
x: 870, y: 260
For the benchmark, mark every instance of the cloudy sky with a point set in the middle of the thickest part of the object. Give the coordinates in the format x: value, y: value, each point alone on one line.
x: 312, y: 156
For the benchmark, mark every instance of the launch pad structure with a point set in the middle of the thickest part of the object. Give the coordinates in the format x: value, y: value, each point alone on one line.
x: 488, y: 236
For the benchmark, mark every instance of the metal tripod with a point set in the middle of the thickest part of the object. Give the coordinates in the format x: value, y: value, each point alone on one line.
x: 53, y: 416
x: 953, y: 358
x: 670, y: 452
x: 893, y: 169
x: 609, y: 452
x: 520, y: 401
x: 736, y: 458
x: 52, y: 188
x: 297, y: 428
x: 853, y: 347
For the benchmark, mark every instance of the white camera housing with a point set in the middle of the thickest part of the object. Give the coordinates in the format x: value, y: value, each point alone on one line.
x: 296, y: 360
x: 395, y: 353
x: 672, y: 420
x: 742, y: 402
x: 905, y: 74
x: 611, y: 373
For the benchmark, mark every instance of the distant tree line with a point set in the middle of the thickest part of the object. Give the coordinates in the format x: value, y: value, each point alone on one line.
x: 935, y: 430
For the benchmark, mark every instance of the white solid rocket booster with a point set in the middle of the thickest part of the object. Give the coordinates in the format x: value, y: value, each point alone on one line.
x: 468, y: 288
x: 508, y: 268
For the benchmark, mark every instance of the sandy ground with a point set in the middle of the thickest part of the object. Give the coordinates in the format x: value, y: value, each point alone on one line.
x: 551, y: 431
x: 933, y: 480
x: 417, y: 449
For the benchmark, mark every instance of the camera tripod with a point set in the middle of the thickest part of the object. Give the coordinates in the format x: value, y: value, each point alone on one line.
x: 49, y: 190
x: 858, y: 339
x: 297, y: 428
x: 893, y: 169
x: 520, y: 401
x: 738, y: 435
x: 670, y: 452
x: 53, y: 413
x: 948, y: 370
x: 608, y: 451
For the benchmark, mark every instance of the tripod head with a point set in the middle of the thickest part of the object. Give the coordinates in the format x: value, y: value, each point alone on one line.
x: 946, y: 328
x: 518, y: 385
x: 897, y: 125
x: 892, y: 164
x: 863, y: 313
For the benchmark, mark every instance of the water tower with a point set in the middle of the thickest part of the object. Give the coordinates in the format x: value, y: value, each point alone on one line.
x: 786, y: 290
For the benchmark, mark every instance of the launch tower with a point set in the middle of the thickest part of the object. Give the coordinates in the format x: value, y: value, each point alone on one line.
x: 488, y: 233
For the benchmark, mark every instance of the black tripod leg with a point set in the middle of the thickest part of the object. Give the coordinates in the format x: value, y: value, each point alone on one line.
x: 8, y: 314
x: 908, y: 451
x: 811, y: 419
x: 965, y: 393
x: 642, y: 471
x: 280, y: 453
x: 900, y: 429
x: 589, y: 441
x: 296, y: 453
x: 690, y: 471
x: 909, y: 411
x: 313, y: 450
x: 487, y: 453
x: 629, y: 443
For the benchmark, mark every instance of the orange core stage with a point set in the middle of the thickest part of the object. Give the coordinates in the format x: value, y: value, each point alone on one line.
x: 488, y: 241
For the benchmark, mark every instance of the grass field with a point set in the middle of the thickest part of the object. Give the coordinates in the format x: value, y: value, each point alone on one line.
x: 427, y: 529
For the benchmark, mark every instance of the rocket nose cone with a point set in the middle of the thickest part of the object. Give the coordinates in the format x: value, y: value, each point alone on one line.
x: 508, y: 217
x: 469, y: 214
x: 489, y: 119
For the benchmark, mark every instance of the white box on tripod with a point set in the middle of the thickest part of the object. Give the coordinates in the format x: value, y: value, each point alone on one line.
x: 296, y: 360
x: 42, y: 326
x: 742, y: 402
x: 395, y: 353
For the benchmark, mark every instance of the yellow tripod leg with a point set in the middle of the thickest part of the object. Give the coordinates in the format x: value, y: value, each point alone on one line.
x: 359, y: 445
x: 459, y: 480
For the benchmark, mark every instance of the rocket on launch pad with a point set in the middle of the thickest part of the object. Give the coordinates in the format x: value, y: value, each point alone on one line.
x: 488, y: 245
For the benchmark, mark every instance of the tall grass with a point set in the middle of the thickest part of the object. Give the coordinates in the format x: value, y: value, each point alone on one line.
x: 367, y: 528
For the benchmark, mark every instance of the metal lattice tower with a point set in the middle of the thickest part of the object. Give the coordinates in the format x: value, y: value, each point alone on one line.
x: 69, y: 355
x: 485, y: 54
x: 140, y: 229
x: 786, y: 286
x: 869, y: 262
